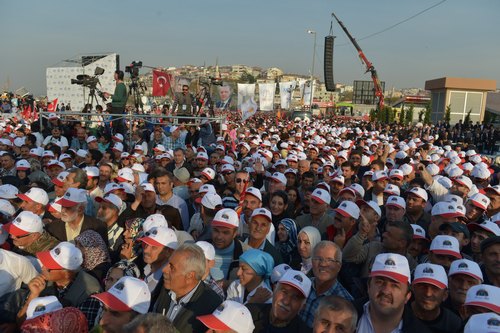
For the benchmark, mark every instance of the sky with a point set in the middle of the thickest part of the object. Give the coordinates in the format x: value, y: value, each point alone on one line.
x: 458, y: 38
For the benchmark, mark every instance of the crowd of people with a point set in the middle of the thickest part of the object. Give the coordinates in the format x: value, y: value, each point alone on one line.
x: 266, y: 225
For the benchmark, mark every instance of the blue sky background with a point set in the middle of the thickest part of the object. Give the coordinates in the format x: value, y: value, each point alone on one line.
x: 457, y: 38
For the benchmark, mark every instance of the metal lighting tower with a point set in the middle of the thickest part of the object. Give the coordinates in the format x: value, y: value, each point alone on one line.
x: 312, y: 32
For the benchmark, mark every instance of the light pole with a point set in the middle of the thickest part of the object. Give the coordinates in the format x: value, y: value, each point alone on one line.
x: 312, y: 32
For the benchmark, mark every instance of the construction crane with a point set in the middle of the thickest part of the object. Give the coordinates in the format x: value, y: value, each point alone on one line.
x: 369, y: 66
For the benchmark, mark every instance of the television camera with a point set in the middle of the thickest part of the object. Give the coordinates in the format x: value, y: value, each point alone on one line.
x: 133, y: 69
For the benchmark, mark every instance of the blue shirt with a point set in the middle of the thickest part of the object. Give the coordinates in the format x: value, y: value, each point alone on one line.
x: 312, y: 302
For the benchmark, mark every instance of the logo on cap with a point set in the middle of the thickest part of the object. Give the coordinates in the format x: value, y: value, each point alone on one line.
x: 18, y: 219
x: 119, y: 286
x: 221, y: 307
x: 493, y: 322
x: 40, y: 308
x: 298, y: 278
x: 463, y: 265
x: 343, y: 205
x: 482, y: 292
x: 447, y: 243
x: 67, y: 194
x: 57, y: 251
x: 394, y: 199
x: 390, y: 262
x: 428, y: 270
x: 225, y: 216
x: 450, y: 207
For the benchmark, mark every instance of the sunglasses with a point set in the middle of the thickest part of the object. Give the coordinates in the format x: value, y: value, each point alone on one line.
x: 239, y: 180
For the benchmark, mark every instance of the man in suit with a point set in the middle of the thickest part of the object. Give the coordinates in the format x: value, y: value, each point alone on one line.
x: 73, y: 220
x: 225, y: 98
x: 180, y: 294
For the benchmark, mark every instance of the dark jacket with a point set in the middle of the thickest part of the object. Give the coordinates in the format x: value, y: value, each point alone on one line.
x: 260, y: 315
x: 411, y: 324
x: 58, y: 229
x: 204, y: 301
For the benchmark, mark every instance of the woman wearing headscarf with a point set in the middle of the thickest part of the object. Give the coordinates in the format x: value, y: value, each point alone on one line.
x: 61, y: 321
x: 253, y: 274
x: 287, y: 241
x: 96, y: 259
x: 307, y: 239
x: 132, y: 249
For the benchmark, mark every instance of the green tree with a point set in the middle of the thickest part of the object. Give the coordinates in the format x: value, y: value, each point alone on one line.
x: 427, y: 113
x: 402, y: 116
x: 247, y: 78
x: 447, y: 114
x: 467, y: 119
x: 373, y: 115
x: 409, y: 115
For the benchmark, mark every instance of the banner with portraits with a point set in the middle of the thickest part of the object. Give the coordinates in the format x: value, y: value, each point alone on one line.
x: 246, y: 92
x: 286, y: 91
x: 266, y: 96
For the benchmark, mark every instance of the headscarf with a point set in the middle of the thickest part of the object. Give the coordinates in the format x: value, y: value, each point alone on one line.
x: 129, y: 268
x: 286, y: 248
x: 61, y: 321
x: 134, y: 226
x: 94, y: 250
x: 313, y: 235
x: 261, y: 262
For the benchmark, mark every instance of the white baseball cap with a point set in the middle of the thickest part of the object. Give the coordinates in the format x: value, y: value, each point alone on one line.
x: 154, y: 221
x: 393, y: 266
x: 6, y: 208
x: 208, y: 249
x: 298, y: 280
x: 431, y: 274
x: 419, y: 192
x: 463, y: 180
x: 35, y: 194
x: 372, y: 204
x: 467, y: 267
x: 348, y: 208
x: 148, y: 187
x: 279, y: 177
x: 65, y: 157
x: 392, y: 189
x: 406, y: 169
x: 23, y: 165
x: 483, y: 323
x: 211, y: 200
x: 208, y: 173
x: 227, y: 168
x: 110, y: 187
x: 278, y: 272
x: 61, y: 178
x: 485, y: 296
x: 42, y: 305
x: 73, y: 197
x: 226, y: 217
x: 358, y: 189
x: 395, y: 200
x: 447, y: 245
x: 8, y: 191
x: 445, y: 209
x: 262, y: 212
x: 127, y: 294
x: 480, y: 200
x: 230, y: 315
x: 396, y: 173
x: 202, y: 156
x: 160, y: 236
x: 418, y: 232
x: 485, y: 225
x: 64, y: 256
x: 255, y: 192
x: 118, y: 146
x: 322, y: 196
x: 125, y: 175
x: 91, y: 139
x: 207, y: 188
x: 25, y: 223
x: 112, y: 199
x: 117, y: 137
x: 379, y: 175
x: 92, y: 171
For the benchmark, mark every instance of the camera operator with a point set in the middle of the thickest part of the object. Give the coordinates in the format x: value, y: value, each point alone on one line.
x: 184, y: 104
x: 118, y: 101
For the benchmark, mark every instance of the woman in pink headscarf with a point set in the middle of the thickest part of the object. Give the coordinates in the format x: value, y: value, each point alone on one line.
x: 61, y: 321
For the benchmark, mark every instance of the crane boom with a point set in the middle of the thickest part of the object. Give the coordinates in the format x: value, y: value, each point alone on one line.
x: 369, y: 66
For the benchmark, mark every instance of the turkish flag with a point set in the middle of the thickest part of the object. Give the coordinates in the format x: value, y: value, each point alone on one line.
x: 52, y: 107
x: 161, y: 83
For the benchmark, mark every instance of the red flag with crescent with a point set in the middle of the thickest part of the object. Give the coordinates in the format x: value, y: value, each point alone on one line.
x: 161, y: 83
x: 52, y: 107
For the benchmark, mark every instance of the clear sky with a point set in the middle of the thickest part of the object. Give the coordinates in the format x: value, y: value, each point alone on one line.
x: 457, y: 38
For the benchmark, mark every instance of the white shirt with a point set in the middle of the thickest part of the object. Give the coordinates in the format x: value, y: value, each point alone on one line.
x: 236, y: 292
x: 14, y: 270
x: 365, y: 323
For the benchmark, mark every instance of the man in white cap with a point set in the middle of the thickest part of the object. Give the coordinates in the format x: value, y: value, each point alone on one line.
x: 259, y: 228
x: 483, y: 323
x: 444, y: 250
x: 145, y: 201
x: 180, y: 295
x: 344, y: 223
x: 108, y: 213
x: 77, y: 178
x: 416, y: 200
x: 209, y: 251
x: 164, y: 182
x: 229, y: 317
x: 429, y: 288
x: 210, y: 204
x: 34, y: 200
x: 62, y: 277
x: 125, y: 300
x: 318, y: 216
x: 289, y: 298
x: 158, y: 245
x: 73, y: 220
x: 388, y: 293
x: 28, y: 234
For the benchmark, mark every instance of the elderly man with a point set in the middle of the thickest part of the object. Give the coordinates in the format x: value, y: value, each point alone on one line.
x: 289, y: 297
x: 388, y: 293
x: 181, y: 296
x: 124, y: 301
x: 326, y: 262
x: 158, y: 245
x: 335, y: 314
x: 28, y: 234
x: 73, y: 220
x: 260, y: 227
x: 62, y: 277
x: 430, y: 291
